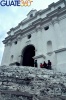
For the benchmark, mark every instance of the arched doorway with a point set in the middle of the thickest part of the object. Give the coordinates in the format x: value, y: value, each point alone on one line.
x: 28, y: 53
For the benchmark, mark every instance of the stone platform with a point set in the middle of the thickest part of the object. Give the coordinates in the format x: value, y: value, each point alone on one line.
x: 29, y: 83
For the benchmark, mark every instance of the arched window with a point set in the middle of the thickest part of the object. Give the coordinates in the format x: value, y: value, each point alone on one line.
x: 49, y: 46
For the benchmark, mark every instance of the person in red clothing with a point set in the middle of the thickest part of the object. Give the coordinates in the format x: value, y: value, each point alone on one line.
x: 44, y: 65
x: 41, y: 65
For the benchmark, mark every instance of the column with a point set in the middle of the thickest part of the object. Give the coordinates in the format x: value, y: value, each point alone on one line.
x: 58, y: 35
x: 39, y: 45
x: 39, y: 40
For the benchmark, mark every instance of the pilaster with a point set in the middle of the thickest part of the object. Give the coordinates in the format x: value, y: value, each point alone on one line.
x: 58, y: 33
x: 39, y: 39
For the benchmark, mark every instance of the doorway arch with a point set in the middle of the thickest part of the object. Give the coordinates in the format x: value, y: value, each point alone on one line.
x: 28, y: 53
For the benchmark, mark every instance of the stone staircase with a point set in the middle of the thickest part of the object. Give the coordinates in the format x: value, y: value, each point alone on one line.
x: 30, y: 83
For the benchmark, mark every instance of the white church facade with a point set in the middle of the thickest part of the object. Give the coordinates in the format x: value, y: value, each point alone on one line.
x: 41, y: 36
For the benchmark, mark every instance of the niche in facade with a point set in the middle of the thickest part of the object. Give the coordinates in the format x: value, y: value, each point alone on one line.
x: 15, y: 42
x: 12, y: 56
x: 46, y: 28
x: 31, y: 15
x: 29, y: 36
x: 59, y: 7
x: 49, y: 46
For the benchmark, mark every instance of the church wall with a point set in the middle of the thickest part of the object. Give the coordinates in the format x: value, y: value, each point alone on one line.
x: 18, y: 49
x: 32, y: 41
x: 49, y: 35
x: 48, y: 43
x: 39, y: 39
x: 63, y: 30
x: 22, y: 43
x: 61, y: 58
x: 14, y: 51
x: 6, y: 55
x: 61, y: 61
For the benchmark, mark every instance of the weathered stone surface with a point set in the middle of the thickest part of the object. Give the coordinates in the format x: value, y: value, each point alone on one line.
x: 40, y: 84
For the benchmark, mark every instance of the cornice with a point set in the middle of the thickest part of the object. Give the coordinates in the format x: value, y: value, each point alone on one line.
x: 8, y: 44
x: 31, y: 11
x: 39, y: 21
x: 55, y: 4
x: 60, y: 50
x: 61, y: 12
x: 7, y: 39
x: 57, y: 51
x: 37, y: 13
x: 19, y: 34
x: 53, y: 13
x: 21, y: 23
x: 39, y: 56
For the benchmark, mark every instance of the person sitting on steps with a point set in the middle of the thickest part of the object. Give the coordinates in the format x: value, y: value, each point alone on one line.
x: 44, y: 65
x: 49, y: 64
x: 41, y: 65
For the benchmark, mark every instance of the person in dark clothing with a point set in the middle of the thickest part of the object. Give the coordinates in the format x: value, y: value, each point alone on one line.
x: 49, y: 64
x: 44, y: 65
x: 35, y: 63
x: 41, y: 65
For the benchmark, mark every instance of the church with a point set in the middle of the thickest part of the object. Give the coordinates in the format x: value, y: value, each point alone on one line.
x: 40, y: 36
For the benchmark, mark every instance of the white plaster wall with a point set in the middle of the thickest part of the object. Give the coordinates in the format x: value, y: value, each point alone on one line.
x: 33, y: 40
x: 6, y: 55
x: 39, y: 38
x: 59, y: 35
x: 12, y: 52
x: 62, y: 24
x: 61, y: 58
x: 49, y: 35
x: 61, y: 61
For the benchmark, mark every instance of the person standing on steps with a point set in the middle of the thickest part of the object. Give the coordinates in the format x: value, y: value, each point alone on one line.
x: 49, y: 65
x: 35, y: 63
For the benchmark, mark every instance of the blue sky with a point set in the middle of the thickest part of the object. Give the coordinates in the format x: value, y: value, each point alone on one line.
x: 11, y: 16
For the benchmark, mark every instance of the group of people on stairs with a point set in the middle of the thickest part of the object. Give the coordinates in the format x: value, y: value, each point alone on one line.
x: 44, y: 65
